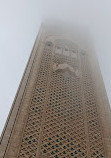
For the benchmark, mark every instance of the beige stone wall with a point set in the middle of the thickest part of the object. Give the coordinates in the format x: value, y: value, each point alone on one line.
x: 61, y: 107
x: 17, y: 104
x: 103, y: 103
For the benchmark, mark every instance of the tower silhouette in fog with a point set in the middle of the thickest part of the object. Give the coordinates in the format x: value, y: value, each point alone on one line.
x: 61, y: 108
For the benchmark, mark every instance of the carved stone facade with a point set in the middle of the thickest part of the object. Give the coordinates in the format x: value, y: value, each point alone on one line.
x: 61, y: 108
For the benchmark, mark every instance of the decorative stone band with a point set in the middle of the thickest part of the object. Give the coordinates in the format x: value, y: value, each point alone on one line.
x: 65, y: 67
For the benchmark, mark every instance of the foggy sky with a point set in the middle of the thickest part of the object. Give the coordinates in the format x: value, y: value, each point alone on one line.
x: 19, y: 24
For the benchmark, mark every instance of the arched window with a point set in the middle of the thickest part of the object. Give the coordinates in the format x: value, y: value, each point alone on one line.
x: 73, y: 53
x: 58, y: 50
x: 66, y: 52
x: 48, y: 43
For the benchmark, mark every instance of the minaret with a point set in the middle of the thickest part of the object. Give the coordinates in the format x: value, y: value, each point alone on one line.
x: 61, y: 108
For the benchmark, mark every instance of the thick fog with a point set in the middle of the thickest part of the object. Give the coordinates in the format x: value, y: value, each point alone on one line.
x: 19, y: 24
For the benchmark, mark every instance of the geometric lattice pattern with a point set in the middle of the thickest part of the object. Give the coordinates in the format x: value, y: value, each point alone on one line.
x: 63, y: 119
x: 94, y: 128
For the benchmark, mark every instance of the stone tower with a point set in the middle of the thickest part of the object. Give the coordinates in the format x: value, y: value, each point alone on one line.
x: 61, y: 108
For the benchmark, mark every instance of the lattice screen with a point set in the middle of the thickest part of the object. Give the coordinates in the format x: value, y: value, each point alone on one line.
x: 63, y: 121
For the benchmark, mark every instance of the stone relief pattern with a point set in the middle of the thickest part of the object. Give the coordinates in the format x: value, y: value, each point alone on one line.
x: 31, y: 133
x: 94, y: 126
x: 64, y: 133
x: 63, y: 130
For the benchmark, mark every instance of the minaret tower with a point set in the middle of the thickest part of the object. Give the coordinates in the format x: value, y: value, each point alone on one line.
x: 61, y: 108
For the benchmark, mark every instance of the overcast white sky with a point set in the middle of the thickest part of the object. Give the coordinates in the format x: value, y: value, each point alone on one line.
x: 19, y: 24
